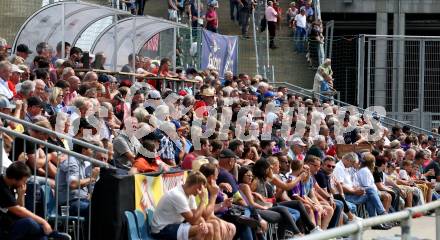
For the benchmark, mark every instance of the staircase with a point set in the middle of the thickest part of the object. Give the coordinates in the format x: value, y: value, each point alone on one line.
x: 289, y: 67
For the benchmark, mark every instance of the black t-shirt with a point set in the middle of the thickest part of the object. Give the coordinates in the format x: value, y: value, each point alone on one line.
x: 432, y: 165
x: 56, y: 142
x: 323, y: 180
x: 7, y: 200
x: 19, y: 147
x: 378, y: 176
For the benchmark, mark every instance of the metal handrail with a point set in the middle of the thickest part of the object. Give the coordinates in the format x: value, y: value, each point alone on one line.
x: 356, y: 228
x: 55, y: 147
x: 311, y: 93
x: 48, y: 131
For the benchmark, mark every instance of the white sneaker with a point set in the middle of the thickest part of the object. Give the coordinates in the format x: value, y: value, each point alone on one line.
x: 355, y: 219
x: 316, y: 229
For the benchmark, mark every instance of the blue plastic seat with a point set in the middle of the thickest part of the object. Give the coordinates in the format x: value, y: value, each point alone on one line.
x: 133, y: 233
x: 49, y: 203
x: 144, y: 225
x: 48, y: 200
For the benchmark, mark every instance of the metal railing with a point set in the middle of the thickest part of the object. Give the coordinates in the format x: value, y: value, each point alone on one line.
x: 356, y: 229
x: 48, y: 131
x: 401, y: 74
x: 51, y: 181
x: 388, y: 121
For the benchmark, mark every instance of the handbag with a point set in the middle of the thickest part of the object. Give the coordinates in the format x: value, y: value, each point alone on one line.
x: 263, y: 24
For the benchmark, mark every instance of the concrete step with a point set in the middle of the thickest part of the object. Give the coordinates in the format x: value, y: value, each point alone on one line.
x: 289, y: 67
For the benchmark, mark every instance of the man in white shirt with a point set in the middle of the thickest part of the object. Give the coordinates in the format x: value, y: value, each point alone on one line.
x: 355, y: 194
x: 300, y: 25
x: 179, y: 205
x: 5, y: 74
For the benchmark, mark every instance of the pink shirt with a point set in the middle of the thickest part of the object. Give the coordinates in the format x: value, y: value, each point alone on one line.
x: 69, y: 97
x: 212, y: 14
x: 271, y: 14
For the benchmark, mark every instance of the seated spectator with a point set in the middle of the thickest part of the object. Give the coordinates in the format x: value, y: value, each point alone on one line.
x: 266, y: 198
x: 218, y: 202
x: 358, y: 194
x: 205, y: 150
x: 177, y: 215
x: 148, y: 161
x: 323, y: 211
x: 366, y: 180
x: 73, y: 181
x: 16, y: 221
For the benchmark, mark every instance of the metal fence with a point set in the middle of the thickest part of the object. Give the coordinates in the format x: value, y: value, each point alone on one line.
x: 402, y: 74
x: 405, y: 217
x: 385, y: 120
x: 43, y: 188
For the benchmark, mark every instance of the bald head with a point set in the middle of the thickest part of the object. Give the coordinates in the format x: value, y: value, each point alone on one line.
x: 74, y: 82
x: 67, y: 73
x: 90, y: 77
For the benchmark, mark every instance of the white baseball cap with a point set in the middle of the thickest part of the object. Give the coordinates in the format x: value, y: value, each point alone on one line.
x: 15, y: 68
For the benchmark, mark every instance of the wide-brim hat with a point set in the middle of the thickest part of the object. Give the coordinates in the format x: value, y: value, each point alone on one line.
x: 208, y: 92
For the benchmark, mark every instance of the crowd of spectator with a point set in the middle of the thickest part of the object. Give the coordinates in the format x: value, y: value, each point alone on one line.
x: 250, y: 146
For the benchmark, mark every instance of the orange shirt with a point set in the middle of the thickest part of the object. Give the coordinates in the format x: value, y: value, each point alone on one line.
x: 11, y: 86
x: 142, y: 165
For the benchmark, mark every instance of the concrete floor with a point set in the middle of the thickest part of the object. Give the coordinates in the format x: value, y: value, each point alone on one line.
x: 422, y: 228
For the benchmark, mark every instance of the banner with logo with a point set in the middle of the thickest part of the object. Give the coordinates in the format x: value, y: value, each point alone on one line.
x: 220, y: 52
x: 149, y: 189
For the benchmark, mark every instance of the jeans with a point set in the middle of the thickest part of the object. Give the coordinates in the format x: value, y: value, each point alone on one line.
x: 304, y: 219
x: 233, y: 7
x: 300, y: 37
x: 26, y: 229
x: 83, y: 205
x: 336, y: 214
x: 371, y: 199
x: 141, y: 6
x: 244, y: 20
x: 294, y: 213
x: 348, y: 206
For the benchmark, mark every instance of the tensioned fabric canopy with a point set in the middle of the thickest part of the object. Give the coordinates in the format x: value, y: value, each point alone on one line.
x: 45, y: 25
x: 127, y: 34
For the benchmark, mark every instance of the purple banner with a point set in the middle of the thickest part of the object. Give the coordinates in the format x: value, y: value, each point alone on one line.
x: 220, y: 52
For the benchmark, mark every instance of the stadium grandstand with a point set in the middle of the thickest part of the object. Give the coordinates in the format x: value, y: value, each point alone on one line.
x: 219, y: 120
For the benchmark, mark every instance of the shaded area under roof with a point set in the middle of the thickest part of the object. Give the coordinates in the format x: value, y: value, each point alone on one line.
x: 45, y: 25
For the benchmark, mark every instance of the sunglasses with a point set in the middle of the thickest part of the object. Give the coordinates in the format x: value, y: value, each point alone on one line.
x: 331, y: 166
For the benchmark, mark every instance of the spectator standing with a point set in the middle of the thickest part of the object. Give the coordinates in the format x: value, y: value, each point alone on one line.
x: 300, y: 25
x: 271, y: 18
x: 195, y: 13
x: 211, y: 17
x: 172, y: 10
x: 141, y: 7
x: 233, y: 6
x: 291, y: 13
x: 246, y: 7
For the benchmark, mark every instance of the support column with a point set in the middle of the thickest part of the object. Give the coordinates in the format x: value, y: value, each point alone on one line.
x: 380, y: 59
x: 398, y: 64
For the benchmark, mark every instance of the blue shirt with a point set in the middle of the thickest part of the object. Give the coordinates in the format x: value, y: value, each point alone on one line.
x: 226, y: 177
x: 71, y: 169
